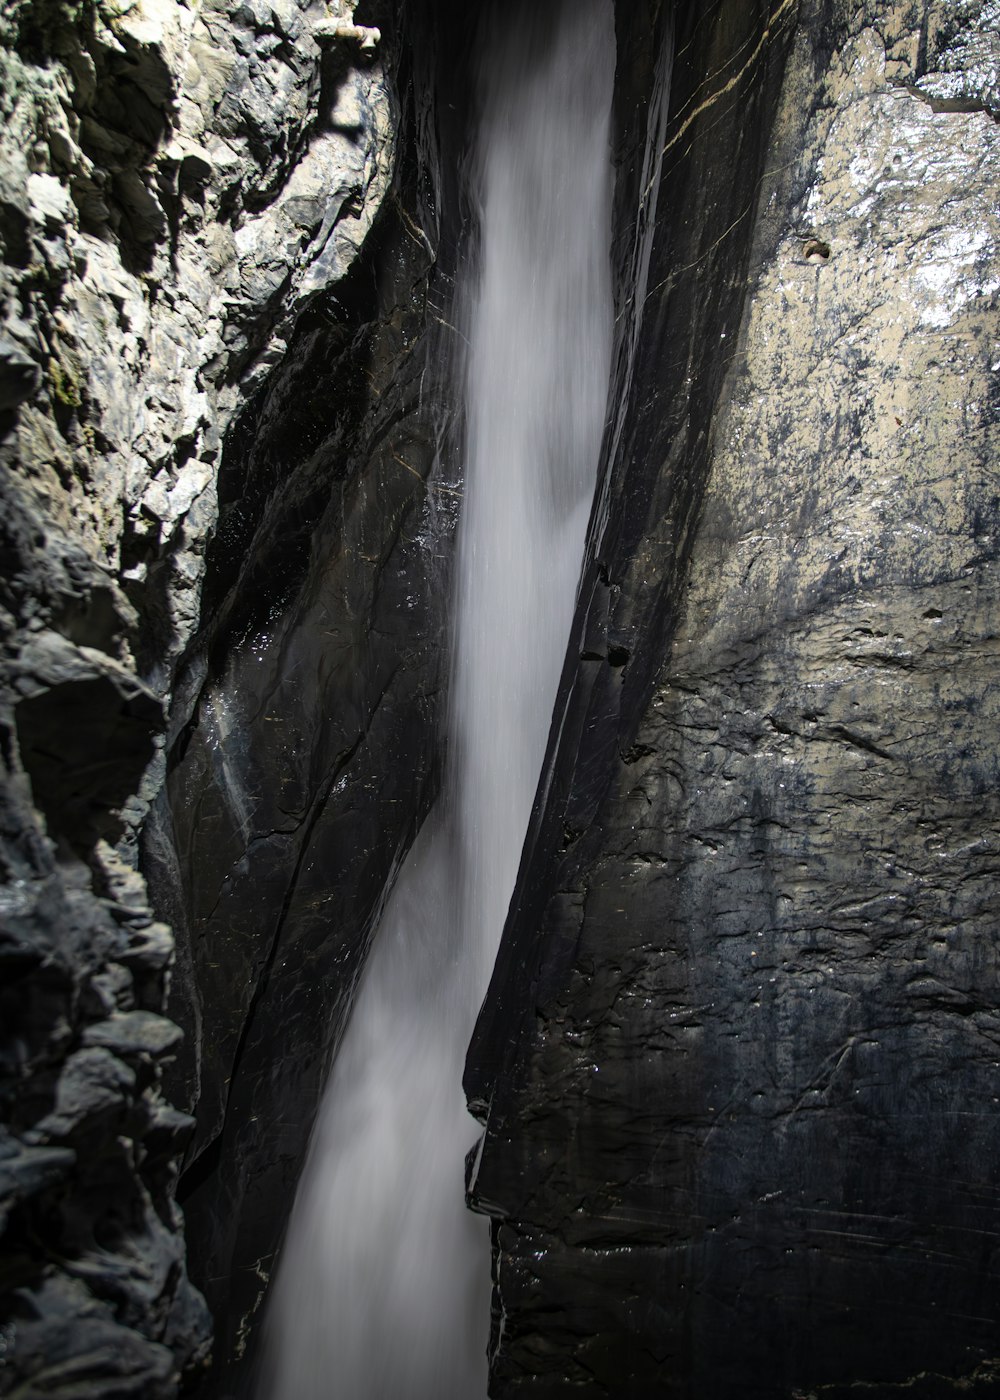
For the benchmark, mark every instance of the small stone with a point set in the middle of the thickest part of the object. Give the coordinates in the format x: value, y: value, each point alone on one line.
x: 94, y: 1086
x: 132, y: 1033
x: 150, y: 950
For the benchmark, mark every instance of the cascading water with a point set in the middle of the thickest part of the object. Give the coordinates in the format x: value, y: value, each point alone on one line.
x: 383, y: 1291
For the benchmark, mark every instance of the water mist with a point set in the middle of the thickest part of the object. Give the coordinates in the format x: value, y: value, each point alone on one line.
x: 383, y: 1290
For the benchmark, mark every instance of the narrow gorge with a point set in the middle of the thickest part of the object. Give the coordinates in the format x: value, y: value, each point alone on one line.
x: 269, y: 364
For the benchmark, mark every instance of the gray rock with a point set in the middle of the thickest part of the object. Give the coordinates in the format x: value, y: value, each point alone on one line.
x: 165, y: 1132
x: 18, y: 374
x: 737, y: 1067
x: 151, y: 950
x: 85, y: 726
x: 63, y: 1343
x: 134, y: 1034
x: 129, y: 162
x: 150, y: 125
x: 93, y: 1088
x: 27, y: 1171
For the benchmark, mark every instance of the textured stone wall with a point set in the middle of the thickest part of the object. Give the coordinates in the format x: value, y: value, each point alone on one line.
x: 176, y: 183
x: 739, y: 1066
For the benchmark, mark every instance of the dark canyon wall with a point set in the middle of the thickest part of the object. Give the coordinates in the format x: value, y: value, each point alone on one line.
x: 303, y: 750
x: 738, y: 1065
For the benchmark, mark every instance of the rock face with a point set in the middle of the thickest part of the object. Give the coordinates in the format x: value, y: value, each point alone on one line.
x: 303, y: 751
x: 738, y: 1067
x: 175, y: 185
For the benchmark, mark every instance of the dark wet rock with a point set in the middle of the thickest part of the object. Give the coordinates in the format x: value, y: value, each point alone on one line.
x: 94, y: 1296
x: 18, y: 374
x: 27, y: 1171
x: 73, y: 1350
x: 738, y: 1065
x: 109, y: 992
x: 86, y: 727
x: 303, y: 751
x: 165, y: 1132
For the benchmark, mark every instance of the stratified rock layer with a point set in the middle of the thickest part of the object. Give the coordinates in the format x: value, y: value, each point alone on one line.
x: 739, y: 1066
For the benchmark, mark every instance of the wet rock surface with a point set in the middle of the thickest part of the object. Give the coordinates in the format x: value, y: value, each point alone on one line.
x: 175, y: 185
x: 303, y: 752
x: 739, y: 1065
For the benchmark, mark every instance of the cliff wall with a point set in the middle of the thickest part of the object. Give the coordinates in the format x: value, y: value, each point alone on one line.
x: 738, y: 1067
x: 176, y: 183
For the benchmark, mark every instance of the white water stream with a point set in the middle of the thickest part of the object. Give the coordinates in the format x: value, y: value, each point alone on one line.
x: 383, y: 1289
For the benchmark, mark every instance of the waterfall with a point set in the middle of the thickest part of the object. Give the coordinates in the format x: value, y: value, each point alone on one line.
x: 383, y: 1290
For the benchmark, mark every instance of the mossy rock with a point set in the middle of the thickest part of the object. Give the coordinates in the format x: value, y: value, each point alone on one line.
x: 65, y: 380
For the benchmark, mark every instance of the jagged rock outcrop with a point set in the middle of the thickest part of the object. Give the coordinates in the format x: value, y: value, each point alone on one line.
x: 176, y: 184
x: 738, y: 1067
